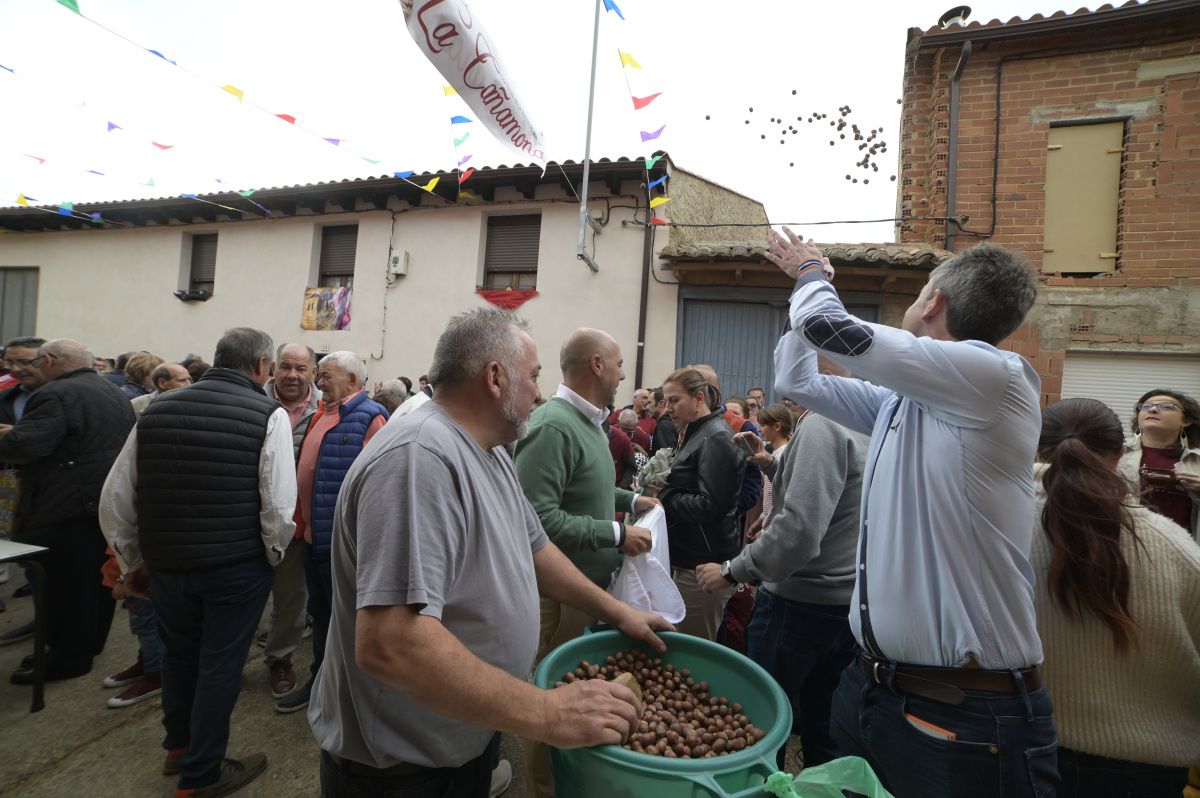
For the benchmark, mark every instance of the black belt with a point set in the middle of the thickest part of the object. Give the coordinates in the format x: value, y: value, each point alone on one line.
x: 352, y: 768
x: 947, y: 684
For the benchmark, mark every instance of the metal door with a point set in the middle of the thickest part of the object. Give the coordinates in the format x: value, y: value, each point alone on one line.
x: 738, y: 338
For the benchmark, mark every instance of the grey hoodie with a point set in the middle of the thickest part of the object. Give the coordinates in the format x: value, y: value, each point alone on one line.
x: 807, y: 553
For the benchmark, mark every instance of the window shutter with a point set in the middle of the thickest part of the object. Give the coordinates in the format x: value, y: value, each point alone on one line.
x: 337, y: 250
x: 204, y: 259
x: 512, y: 243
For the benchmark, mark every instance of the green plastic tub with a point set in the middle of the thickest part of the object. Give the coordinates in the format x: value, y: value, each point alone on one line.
x: 609, y: 771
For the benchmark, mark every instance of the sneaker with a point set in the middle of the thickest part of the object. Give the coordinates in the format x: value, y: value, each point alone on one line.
x: 283, y: 678
x: 501, y: 779
x: 128, y: 676
x: 295, y: 700
x: 235, y: 775
x: 171, y: 761
x: 16, y: 635
x: 148, y: 686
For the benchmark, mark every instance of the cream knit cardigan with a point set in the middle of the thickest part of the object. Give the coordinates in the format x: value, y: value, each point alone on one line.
x: 1144, y: 705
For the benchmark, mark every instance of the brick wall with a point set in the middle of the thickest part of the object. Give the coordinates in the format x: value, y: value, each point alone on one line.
x: 1046, y: 79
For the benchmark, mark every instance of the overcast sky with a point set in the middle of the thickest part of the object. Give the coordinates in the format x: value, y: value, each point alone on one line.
x: 349, y: 70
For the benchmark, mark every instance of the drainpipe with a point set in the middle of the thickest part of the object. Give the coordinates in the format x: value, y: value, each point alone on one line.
x: 647, y: 262
x: 952, y: 167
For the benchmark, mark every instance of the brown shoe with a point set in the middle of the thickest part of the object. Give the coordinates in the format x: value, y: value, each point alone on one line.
x: 283, y: 678
x: 171, y: 761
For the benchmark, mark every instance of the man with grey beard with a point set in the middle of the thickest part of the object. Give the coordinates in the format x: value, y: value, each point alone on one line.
x: 438, y: 560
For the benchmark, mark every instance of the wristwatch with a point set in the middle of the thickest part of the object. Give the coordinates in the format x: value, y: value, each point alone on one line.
x: 725, y: 573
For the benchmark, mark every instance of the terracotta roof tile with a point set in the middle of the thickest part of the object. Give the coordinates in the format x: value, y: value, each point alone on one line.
x: 917, y: 255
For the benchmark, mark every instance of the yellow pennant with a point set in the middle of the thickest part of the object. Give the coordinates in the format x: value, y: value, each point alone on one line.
x: 449, y: 91
x: 22, y: 201
x: 467, y: 194
x: 654, y: 203
x: 234, y: 90
x: 628, y: 60
x: 431, y: 185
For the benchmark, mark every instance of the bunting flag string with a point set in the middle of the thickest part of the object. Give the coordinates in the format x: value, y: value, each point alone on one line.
x: 640, y: 103
x: 229, y: 88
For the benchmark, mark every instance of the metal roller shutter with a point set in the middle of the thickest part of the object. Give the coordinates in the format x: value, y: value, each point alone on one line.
x: 1119, y: 379
x: 337, y: 250
x: 512, y: 243
x: 204, y: 259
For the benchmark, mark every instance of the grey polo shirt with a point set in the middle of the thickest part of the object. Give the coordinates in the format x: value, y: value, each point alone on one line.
x: 428, y: 518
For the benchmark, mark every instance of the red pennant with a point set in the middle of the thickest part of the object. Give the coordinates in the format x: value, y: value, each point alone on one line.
x: 34, y: 157
x: 641, y: 102
x: 466, y: 175
x: 162, y: 146
x: 656, y: 220
x: 291, y: 120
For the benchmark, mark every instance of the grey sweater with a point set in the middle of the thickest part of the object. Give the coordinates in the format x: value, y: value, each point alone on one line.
x: 807, y: 553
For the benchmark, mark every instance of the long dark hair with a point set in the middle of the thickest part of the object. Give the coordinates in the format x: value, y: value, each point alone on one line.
x: 1191, y: 413
x: 1087, y: 515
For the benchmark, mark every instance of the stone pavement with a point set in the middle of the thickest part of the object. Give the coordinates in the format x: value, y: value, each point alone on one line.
x: 78, y: 746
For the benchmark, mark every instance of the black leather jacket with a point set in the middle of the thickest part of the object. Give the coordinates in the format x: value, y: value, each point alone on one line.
x: 700, y: 498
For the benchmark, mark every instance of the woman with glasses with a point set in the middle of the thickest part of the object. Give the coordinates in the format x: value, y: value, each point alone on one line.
x: 1118, y: 612
x: 1163, y: 463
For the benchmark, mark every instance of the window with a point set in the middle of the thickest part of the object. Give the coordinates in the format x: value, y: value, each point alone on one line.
x: 18, y: 302
x: 1120, y: 378
x: 1083, y: 185
x: 511, y: 256
x: 203, y: 271
x: 337, y: 256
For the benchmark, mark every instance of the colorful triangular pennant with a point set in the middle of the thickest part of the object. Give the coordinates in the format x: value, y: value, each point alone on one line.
x: 628, y: 60
x: 466, y: 175
x: 651, y: 135
x: 654, y: 203
x: 235, y: 91
x: 641, y: 102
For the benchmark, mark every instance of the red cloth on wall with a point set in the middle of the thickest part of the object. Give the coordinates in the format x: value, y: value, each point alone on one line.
x: 509, y: 300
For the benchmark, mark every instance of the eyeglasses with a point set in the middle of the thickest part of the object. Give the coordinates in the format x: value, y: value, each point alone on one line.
x: 1158, y: 405
x: 16, y: 362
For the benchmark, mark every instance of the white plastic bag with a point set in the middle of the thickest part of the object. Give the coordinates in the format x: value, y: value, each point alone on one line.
x: 644, y: 581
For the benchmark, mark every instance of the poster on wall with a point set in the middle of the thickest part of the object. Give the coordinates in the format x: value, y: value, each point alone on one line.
x: 326, y: 308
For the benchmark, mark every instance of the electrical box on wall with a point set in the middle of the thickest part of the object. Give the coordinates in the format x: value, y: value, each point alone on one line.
x: 399, y: 265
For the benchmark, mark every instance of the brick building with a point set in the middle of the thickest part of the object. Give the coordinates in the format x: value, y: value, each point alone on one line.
x: 1074, y: 138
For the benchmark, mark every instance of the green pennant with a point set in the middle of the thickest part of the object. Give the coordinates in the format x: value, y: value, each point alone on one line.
x: 247, y: 192
x: 458, y: 142
x: 651, y: 161
x: 73, y: 5
x: 370, y: 160
x: 149, y: 182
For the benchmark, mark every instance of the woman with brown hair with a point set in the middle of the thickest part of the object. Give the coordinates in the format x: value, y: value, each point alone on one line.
x: 1118, y: 605
x: 1163, y: 463
x: 700, y: 496
x: 776, y: 423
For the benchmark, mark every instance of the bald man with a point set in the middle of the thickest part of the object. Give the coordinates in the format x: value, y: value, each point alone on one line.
x: 567, y: 474
x: 76, y: 419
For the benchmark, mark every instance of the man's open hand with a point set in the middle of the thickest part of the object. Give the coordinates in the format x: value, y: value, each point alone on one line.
x: 790, y: 253
x: 591, y: 712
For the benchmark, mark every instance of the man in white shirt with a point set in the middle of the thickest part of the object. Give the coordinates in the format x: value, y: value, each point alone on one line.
x: 202, y: 497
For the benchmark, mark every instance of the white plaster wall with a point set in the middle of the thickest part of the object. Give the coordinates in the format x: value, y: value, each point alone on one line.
x: 113, y: 289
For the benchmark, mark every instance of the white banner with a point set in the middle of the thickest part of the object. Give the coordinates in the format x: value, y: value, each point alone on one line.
x: 457, y: 45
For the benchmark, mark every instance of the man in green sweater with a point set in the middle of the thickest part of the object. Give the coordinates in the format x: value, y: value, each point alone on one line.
x: 567, y: 473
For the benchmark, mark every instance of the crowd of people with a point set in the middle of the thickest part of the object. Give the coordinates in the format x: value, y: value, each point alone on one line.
x: 978, y: 595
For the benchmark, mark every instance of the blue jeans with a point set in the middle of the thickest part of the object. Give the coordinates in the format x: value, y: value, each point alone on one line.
x: 319, y: 576
x: 1088, y: 776
x: 207, y: 619
x: 144, y: 624
x: 805, y: 647
x: 1006, y: 745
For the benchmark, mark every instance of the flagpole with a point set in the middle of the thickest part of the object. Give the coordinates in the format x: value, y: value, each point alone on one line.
x: 584, y: 220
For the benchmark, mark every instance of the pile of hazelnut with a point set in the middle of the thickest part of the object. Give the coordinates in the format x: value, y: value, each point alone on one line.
x: 680, y: 720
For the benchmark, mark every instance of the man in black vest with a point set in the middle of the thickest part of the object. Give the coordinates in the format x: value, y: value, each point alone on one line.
x: 71, y: 429
x: 202, y: 496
